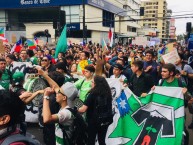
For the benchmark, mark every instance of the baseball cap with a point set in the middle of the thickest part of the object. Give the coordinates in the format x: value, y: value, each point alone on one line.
x: 119, y: 66
x: 61, y: 65
x: 18, y: 77
x: 71, y: 92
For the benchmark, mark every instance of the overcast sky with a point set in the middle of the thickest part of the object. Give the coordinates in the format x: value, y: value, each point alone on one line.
x: 179, y: 6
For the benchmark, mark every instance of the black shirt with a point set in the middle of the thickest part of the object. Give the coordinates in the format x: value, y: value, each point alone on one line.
x: 141, y: 84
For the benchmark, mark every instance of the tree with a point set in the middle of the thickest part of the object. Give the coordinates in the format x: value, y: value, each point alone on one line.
x: 181, y: 37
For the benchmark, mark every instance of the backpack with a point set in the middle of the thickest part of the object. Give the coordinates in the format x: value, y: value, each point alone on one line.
x: 189, y: 81
x: 103, y: 111
x: 185, y: 77
x: 79, y: 133
x: 20, y: 138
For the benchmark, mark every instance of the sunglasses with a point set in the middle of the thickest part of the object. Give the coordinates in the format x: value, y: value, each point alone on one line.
x: 139, y: 52
x: 44, y: 60
x: 59, y: 92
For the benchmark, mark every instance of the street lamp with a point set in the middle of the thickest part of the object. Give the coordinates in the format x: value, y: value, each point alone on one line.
x: 84, y: 25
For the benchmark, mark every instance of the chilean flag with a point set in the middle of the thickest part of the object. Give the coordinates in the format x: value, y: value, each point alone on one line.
x: 4, y: 39
x: 110, y: 36
x: 36, y: 40
x: 17, y: 47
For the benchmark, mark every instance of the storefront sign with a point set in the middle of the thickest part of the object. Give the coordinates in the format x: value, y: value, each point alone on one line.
x: 7, y: 4
x: 73, y: 27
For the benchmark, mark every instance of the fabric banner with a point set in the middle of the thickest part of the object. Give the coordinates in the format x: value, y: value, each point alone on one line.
x: 19, y: 66
x: 156, y: 119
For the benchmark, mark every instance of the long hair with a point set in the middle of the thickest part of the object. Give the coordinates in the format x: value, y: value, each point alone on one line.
x: 101, y: 87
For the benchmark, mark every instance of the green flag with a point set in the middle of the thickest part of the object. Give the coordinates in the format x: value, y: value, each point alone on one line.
x: 62, y: 43
x: 156, y: 119
x: 104, y: 45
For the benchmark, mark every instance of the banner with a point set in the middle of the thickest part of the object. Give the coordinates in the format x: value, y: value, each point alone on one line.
x: 2, y: 50
x: 19, y: 66
x: 156, y: 119
x: 32, y: 85
x: 170, y: 47
x: 171, y: 57
x: 140, y: 41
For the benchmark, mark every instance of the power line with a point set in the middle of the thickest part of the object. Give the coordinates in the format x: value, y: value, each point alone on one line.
x: 40, y: 19
x: 132, y: 20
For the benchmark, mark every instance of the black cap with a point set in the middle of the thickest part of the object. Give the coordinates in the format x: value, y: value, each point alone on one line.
x: 119, y: 66
x: 61, y: 65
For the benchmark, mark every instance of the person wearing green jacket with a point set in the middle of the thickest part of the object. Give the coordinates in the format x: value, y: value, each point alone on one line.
x: 6, y: 76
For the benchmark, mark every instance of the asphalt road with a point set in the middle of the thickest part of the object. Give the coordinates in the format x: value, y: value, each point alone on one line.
x: 188, y: 121
x: 35, y: 129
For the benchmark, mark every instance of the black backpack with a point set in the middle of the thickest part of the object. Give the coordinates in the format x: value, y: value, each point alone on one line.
x: 20, y: 138
x: 103, y: 111
x: 79, y: 131
x: 189, y: 81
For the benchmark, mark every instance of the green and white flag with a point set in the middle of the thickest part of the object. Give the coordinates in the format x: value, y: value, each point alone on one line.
x: 157, y: 119
x: 62, y: 42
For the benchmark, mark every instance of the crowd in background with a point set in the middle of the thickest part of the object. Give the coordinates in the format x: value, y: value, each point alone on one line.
x: 80, y: 72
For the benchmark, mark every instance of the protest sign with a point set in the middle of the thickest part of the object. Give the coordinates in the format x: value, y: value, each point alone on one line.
x: 2, y: 50
x: 171, y: 57
x: 140, y: 41
x: 170, y: 47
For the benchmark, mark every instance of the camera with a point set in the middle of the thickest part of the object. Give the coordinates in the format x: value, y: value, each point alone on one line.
x: 31, y: 70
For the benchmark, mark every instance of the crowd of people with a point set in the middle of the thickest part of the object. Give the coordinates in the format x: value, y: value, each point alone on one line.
x: 80, y: 72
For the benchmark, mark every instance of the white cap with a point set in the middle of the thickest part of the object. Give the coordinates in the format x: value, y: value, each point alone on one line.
x: 71, y: 92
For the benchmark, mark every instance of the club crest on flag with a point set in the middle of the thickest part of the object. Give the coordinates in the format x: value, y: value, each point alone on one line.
x: 123, y: 105
x: 148, y: 120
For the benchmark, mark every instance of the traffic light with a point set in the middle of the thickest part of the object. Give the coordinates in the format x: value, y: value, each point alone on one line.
x: 141, y: 12
x: 188, y: 27
x: 62, y: 18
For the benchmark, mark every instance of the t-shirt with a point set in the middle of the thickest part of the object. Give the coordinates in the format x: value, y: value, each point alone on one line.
x: 84, y: 89
x: 27, y: 60
x: 66, y: 119
x: 5, y: 79
x: 174, y: 83
x: 121, y: 78
x: 186, y: 68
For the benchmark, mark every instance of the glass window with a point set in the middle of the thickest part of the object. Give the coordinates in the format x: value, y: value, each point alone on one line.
x: 108, y: 19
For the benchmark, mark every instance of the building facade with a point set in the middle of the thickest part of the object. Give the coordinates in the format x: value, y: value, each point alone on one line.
x: 154, y: 13
x: 34, y: 16
x: 132, y: 8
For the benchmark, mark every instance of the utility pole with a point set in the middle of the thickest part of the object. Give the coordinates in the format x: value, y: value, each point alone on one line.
x: 84, y: 30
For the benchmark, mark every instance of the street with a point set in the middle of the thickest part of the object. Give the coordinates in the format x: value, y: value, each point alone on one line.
x: 35, y: 130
